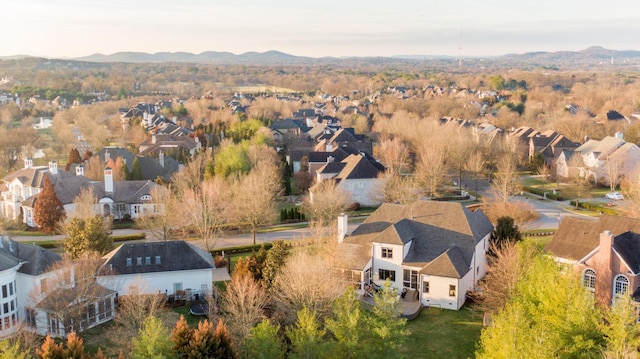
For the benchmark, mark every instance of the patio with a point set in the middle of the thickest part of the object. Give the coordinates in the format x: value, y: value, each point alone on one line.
x: 409, y: 304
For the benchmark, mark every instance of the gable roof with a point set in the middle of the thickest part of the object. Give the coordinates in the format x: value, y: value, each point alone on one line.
x: 627, y: 245
x: 577, y: 237
x: 442, y: 235
x: 174, y: 256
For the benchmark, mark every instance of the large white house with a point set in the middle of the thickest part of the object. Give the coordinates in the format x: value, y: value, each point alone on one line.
x: 435, y: 250
x: 119, y: 199
x: 173, y: 268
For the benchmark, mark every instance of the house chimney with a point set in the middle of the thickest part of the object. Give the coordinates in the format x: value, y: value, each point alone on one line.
x: 161, y: 158
x: 108, y: 180
x: 343, y: 224
x: 107, y: 156
x: 330, y: 159
x: 28, y: 162
x: 619, y: 135
x: 153, y: 139
x: 604, y: 263
x: 53, y: 167
x: 80, y: 170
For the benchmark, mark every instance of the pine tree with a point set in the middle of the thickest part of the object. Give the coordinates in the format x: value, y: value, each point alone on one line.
x: 12, y: 351
x: 87, y: 235
x: 50, y: 350
x: 152, y: 341
x: 48, y: 210
x: 273, y: 263
x: 136, y: 171
x: 347, y: 325
x: 223, y: 348
x: 202, y: 344
x: 181, y: 336
x: 74, y: 157
x: 264, y: 342
x: 306, y: 336
x: 75, y: 347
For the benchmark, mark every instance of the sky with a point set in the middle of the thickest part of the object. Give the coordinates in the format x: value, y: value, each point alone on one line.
x: 75, y: 28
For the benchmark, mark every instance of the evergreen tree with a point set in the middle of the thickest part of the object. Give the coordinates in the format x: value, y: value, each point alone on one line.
x: 181, y: 336
x: 203, y: 341
x: 347, y: 325
x: 50, y: 350
x: 74, y: 157
x: 87, y: 235
x: 264, y: 342
x: 152, y: 341
x: 307, y: 338
x: 12, y: 351
x: 75, y: 347
x: 506, y: 231
x: 223, y: 348
x: 388, y: 328
x: 87, y: 154
x: 48, y: 210
x: 136, y: 171
x: 620, y: 329
x: 274, y: 260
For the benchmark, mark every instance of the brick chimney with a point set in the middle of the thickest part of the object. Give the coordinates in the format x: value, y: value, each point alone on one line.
x: 604, y: 272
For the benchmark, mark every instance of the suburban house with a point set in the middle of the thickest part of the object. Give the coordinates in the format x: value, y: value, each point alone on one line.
x: 606, y: 252
x: 120, y: 199
x: 29, y: 299
x: 168, y: 143
x: 435, y: 250
x: 551, y: 145
x: 174, y: 268
x: 163, y: 166
x: 603, y: 158
x: 355, y: 175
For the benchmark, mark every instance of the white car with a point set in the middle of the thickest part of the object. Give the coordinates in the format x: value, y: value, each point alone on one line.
x: 614, y: 195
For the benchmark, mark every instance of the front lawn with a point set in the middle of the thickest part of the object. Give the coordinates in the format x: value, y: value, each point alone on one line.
x: 442, y: 333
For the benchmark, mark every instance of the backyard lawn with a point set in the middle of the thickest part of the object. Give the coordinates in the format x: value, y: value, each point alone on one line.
x: 441, y: 333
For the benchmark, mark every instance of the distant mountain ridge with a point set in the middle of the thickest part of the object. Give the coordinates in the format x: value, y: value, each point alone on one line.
x: 592, y: 56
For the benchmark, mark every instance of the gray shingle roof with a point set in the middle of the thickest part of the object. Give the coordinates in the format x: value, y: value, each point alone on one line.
x: 628, y: 246
x: 36, y: 260
x: 174, y: 256
x: 443, y: 235
x: 577, y: 237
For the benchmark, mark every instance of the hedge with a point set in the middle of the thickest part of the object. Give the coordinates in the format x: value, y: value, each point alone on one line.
x: 131, y: 237
x: 540, y: 192
x: 595, y: 207
x: 240, y: 249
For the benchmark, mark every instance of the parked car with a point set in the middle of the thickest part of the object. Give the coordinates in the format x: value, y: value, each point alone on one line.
x: 614, y: 195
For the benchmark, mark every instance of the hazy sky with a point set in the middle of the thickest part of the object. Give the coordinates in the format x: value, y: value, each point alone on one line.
x: 73, y: 28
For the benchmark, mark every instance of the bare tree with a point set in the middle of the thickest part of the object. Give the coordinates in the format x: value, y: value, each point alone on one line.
x: 242, y: 305
x: 86, y: 203
x: 522, y: 212
x: 162, y: 222
x: 394, y: 154
x: 475, y: 164
x: 326, y: 202
x: 578, y: 178
x: 206, y: 208
x: 614, y: 171
x: 398, y: 189
x: 254, y: 198
x: 431, y: 169
x: 300, y: 284
x: 505, y: 182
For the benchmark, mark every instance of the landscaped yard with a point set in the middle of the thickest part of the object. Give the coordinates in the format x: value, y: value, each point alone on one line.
x: 443, y: 333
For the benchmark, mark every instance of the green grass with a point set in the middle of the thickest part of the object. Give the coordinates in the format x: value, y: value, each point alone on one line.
x: 443, y: 333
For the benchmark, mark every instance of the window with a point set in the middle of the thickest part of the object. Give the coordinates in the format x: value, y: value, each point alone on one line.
x: 425, y: 287
x: 129, y: 262
x: 157, y: 259
x: 620, y: 285
x: 30, y: 315
x: 387, y: 252
x: 43, y: 285
x: 410, y: 279
x: 5, y: 308
x: 452, y: 290
x: 385, y: 274
x: 177, y: 287
x: 589, y: 279
x: 145, y: 197
x: 4, y: 291
x: 136, y: 208
x: 10, y: 288
x: 139, y: 261
x: 147, y: 261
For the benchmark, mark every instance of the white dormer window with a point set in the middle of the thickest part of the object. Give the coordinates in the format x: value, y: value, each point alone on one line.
x: 146, y: 197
